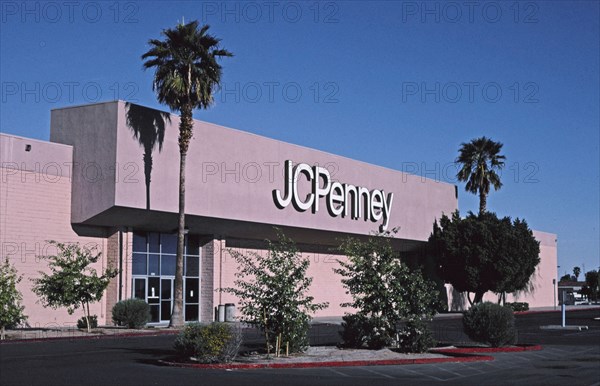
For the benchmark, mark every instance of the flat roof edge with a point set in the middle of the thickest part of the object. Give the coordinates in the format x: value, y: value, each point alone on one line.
x: 8, y: 135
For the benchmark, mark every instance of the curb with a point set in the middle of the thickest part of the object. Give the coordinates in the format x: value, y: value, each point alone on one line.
x: 456, y: 315
x: 453, y: 355
x: 303, y: 365
x: 557, y: 310
x: 89, y: 337
x: 470, y: 350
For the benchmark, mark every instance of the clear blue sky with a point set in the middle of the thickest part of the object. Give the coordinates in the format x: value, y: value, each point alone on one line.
x: 398, y: 84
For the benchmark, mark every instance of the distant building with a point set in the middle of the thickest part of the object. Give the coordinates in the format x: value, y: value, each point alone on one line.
x: 569, y: 291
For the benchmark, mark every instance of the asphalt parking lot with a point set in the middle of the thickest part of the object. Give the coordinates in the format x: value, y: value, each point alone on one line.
x: 567, y: 358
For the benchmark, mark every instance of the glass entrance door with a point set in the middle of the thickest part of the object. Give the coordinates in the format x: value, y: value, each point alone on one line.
x: 153, y: 269
x: 158, y: 293
x: 166, y: 298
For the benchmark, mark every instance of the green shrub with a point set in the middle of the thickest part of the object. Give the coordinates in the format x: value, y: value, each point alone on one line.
x: 133, y: 313
x: 415, y: 337
x: 82, y: 323
x: 491, y: 324
x: 384, y: 290
x: 209, y: 343
x: 272, y: 291
x: 359, y: 330
x: 518, y: 306
x: 379, y: 334
x: 353, y: 332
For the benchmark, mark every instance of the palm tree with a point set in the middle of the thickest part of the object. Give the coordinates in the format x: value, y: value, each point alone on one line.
x: 479, y: 160
x: 576, y: 272
x: 186, y: 75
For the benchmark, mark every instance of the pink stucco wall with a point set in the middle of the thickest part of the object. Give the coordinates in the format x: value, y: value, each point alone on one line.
x: 230, y: 175
x: 326, y: 285
x: 35, y: 206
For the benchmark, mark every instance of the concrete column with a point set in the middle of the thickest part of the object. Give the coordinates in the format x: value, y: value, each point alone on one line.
x: 112, y: 260
x: 207, y: 286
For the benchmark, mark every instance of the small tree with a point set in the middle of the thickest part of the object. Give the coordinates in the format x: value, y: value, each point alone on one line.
x: 11, y: 310
x: 591, y: 289
x: 384, y: 290
x: 272, y: 294
x: 483, y: 253
x: 72, y: 283
x: 567, y: 277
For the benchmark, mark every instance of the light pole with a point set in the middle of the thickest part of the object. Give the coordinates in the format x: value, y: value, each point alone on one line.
x: 554, y: 292
x: 557, y: 282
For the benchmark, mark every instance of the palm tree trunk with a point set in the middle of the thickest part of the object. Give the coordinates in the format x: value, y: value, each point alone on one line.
x: 185, y: 134
x: 482, y: 202
x: 177, y: 316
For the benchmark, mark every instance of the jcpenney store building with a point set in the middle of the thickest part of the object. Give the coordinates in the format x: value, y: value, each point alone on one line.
x: 108, y: 179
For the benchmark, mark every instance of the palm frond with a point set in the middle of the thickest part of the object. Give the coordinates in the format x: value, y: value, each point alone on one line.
x: 186, y: 66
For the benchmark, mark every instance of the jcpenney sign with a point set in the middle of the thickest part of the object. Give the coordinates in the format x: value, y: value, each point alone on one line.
x: 341, y: 199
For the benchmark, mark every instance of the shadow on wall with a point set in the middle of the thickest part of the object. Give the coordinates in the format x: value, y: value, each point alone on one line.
x: 531, y: 287
x: 148, y: 127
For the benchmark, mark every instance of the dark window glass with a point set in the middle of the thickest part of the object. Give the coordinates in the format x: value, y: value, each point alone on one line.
x: 139, y: 289
x: 153, y: 290
x: 192, y: 266
x: 153, y: 243
x: 193, y: 245
x: 139, y: 264
x: 139, y: 242
x: 165, y: 310
x: 168, y: 243
x: 191, y: 313
x: 153, y: 268
x: 191, y: 290
x: 165, y: 289
x: 167, y: 265
x: 154, y: 310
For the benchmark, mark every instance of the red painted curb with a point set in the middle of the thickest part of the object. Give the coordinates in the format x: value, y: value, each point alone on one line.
x: 463, y: 354
x: 469, y: 350
x: 381, y: 362
x: 457, y: 315
x: 557, y: 310
x: 108, y: 336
